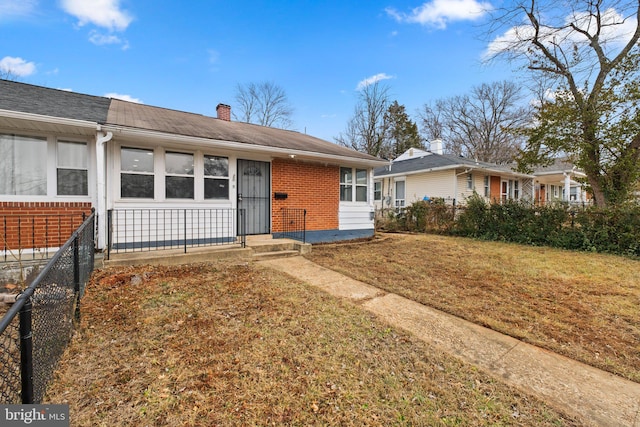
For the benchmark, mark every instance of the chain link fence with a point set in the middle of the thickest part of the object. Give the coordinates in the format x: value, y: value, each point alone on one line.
x: 35, y: 331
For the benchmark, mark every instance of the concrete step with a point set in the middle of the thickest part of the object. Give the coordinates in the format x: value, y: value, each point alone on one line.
x: 261, y: 256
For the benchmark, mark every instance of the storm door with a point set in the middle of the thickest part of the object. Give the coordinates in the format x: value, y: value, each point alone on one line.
x: 254, y: 193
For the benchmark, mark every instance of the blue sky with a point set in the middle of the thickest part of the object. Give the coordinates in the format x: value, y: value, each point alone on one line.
x: 190, y: 55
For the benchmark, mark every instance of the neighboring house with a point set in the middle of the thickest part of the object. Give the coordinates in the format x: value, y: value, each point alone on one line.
x: 559, y: 182
x: 420, y: 175
x: 68, y: 152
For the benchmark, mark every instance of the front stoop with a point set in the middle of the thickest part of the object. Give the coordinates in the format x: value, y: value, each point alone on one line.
x: 257, y: 248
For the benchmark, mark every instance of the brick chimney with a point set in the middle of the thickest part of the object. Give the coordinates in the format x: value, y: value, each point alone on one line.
x: 224, y: 112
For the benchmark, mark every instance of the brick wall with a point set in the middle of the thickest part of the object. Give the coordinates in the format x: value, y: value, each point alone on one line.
x: 309, y: 186
x: 27, y: 225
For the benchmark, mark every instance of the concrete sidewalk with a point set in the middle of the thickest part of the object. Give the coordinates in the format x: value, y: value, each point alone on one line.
x: 597, y: 397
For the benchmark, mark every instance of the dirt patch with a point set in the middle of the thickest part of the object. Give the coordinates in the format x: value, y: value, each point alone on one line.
x: 224, y: 344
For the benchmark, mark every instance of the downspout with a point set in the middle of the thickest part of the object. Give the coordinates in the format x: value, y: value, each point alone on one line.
x: 101, y: 178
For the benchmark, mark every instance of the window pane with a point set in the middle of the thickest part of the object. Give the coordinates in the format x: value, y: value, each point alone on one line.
x: 72, y: 155
x: 346, y: 176
x: 216, y: 166
x: 345, y: 193
x: 136, y: 186
x: 216, y: 188
x: 72, y: 182
x: 361, y: 194
x: 361, y: 177
x: 377, y: 191
x: 23, y: 165
x: 136, y: 160
x: 179, y: 163
x: 179, y: 187
x: 399, y: 189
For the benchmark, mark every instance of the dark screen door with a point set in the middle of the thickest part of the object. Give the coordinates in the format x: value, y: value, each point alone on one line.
x: 254, y: 195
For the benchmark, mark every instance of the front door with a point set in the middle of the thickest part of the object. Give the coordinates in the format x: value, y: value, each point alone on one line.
x: 254, y: 179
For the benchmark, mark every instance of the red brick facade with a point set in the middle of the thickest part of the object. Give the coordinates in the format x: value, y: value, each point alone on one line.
x: 25, y: 225
x: 309, y: 186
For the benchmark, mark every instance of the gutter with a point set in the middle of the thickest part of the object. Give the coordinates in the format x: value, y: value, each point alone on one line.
x: 101, y: 177
x: 47, y: 119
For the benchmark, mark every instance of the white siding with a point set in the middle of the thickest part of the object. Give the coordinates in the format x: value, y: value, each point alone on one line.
x: 353, y: 216
x: 431, y: 184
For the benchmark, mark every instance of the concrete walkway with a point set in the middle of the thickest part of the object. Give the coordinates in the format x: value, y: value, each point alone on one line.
x: 597, y: 397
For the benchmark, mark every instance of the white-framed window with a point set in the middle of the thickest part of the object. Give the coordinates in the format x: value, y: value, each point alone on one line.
x: 23, y: 165
x: 487, y: 186
x: 400, y: 194
x: 516, y: 189
x: 179, y: 175
x: 216, y: 177
x: 72, y: 173
x: 377, y: 190
x: 136, y: 173
x: 469, y: 181
x: 354, y: 185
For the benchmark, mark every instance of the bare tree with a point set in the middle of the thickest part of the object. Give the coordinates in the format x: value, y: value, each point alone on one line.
x: 586, y: 53
x: 479, y: 125
x: 263, y: 103
x: 367, y: 129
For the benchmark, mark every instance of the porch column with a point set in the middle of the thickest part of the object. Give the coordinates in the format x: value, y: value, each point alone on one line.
x: 567, y: 187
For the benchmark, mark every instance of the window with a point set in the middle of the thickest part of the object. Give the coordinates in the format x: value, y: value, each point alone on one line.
x: 216, y: 177
x: 346, y: 185
x: 377, y: 190
x: 361, y: 185
x: 469, y: 181
x: 23, y: 164
x: 487, y: 186
x: 179, y: 176
x: 136, y: 173
x: 516, y: 190
x: 72, y: 171
x: 399, y: 194
x: 350, y: 187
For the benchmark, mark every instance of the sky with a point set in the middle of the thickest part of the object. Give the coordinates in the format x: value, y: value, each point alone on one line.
x: 192, y: 55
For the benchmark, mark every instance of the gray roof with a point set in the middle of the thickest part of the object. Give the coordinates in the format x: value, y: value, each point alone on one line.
x: 140, y: 116
x: 44, y: 101
x: 435, y: 161
x: 26, y: 98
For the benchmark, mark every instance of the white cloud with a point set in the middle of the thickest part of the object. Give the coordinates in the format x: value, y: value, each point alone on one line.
x: 124, y: 97
x: 373, y: 79
x: 214, y: 56
x: 13, y: 8
x: 17, y: 66
x: 102, y: 39
x: 438, y: 13
x: 614, y: 32
x: 103, y: 13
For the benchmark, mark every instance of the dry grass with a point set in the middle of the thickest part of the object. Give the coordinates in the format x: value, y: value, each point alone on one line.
x: 584, y: 306
x: 223, y: 344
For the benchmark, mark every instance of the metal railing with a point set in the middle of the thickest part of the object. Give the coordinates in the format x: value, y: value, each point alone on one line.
x: 139, y: 230
x: 294, y: 224
x: 35, y: 236
x: 35, y: 331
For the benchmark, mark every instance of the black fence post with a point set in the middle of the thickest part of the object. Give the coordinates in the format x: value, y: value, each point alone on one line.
x: 304, y: 227
x: 109, y: 231
x: 185, y: 230
x: 26, y: 352
x: 76, y: 276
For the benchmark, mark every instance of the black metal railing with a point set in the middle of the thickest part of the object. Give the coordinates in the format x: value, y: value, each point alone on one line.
x: 138, y: 230
x: 36, y: 329
x: 35, y: 236
x: 294, y: 224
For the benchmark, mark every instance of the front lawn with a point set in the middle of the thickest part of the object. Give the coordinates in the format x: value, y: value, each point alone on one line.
x: 582, y: 305
x: 237, y: 344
